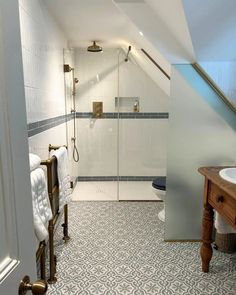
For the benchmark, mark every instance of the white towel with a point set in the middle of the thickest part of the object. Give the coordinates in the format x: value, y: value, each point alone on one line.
x: 63, y: 176
x: 34, y: 161
x: 42, y: 212
x: 221, y: 226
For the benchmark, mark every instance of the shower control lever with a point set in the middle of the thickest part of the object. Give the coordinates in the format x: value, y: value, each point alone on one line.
x: 73, y: 138
x: 73, y: 111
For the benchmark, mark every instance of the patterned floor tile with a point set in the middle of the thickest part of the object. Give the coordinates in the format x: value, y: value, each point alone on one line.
x: 117, y: 248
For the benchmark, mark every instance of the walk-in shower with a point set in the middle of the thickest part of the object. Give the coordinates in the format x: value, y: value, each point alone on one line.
x: 122, y: 151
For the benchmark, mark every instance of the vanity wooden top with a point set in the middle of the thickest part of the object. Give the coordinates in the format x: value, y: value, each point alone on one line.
x: 212, y: 173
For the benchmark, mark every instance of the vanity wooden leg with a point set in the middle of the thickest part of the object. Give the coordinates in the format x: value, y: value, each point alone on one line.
x: 207, y: 229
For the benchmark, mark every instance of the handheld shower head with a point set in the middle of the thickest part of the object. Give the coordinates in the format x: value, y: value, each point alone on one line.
x: 127, y: 55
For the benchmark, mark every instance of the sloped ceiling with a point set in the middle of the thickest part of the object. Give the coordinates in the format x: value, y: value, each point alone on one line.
x: 86, y: 20
x: 212, y: 24
x: 83, y: 21
x: 118, y: 23
x: 163, y: 24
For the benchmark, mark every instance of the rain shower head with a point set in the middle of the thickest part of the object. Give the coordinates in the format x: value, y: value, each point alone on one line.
x: 94, y: 48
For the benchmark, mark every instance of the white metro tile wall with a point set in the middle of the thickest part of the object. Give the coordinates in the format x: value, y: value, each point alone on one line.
x: 42, y: 49
x: 98, y: 74
x: 134, y: 82
x: 38, y: 144
x: 142, y: 147
x: 142, y: 142
x: 97, y: 143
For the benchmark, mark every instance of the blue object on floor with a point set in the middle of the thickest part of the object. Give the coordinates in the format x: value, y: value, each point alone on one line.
x: 159, y: 183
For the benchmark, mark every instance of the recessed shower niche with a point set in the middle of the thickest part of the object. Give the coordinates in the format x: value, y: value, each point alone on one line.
x: 126, y: 148
x: 127, y: 104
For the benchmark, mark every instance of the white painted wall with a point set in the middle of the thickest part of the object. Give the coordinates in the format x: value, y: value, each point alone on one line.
x: 142, y: 146
x: 201, y: 133
x: 152, y: 71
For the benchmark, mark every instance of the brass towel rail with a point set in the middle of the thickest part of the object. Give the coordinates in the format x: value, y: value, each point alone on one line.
x: 53, y: 192
x: 41, y: 257
x: 55, y: 147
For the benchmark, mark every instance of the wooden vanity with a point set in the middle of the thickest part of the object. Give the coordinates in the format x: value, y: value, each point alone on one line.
x: 220, y: 195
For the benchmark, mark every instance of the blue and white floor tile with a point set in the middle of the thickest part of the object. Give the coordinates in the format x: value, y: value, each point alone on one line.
x: 117, y: 248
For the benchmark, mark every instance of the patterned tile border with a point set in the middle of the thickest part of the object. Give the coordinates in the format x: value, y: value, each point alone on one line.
x: 124, y: 115
x: 115, y: 178
x: 41, y: 126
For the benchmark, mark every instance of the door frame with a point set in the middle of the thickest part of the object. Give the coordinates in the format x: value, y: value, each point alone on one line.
x: 14, y: 155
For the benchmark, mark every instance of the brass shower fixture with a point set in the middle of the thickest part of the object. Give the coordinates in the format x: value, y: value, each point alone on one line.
x: 94, y: 48
x: 75, y: 80
x: 67, y: 68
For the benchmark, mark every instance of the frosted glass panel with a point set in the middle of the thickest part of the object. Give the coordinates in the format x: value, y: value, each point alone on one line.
x: 224, y: 75
x: 198, y: 136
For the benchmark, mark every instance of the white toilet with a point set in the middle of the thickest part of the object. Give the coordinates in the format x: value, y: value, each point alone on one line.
x: 159, y: 188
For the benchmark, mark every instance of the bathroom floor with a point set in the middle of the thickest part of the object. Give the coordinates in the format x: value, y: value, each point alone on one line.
x: 107, y: 191
x: 117, y: 248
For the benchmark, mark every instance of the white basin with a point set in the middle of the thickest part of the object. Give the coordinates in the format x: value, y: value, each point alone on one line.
x: 228, y: 174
